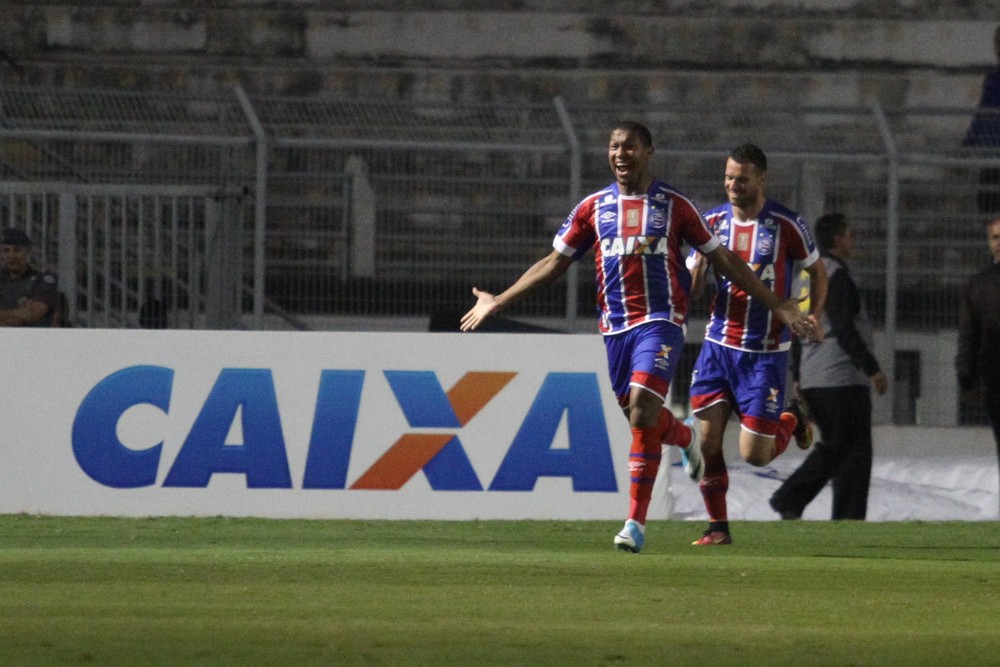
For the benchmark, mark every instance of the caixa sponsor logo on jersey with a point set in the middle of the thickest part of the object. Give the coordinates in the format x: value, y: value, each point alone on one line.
x: 634, y: 245
x: 436, y: 451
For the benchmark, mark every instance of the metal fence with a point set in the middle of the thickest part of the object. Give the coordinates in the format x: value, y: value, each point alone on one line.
x: 274, y: 212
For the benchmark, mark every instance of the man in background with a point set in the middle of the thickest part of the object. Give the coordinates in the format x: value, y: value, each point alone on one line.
x: 834, y: 376
x: 977, y: 362
x: 984, y: 132
x: 28, y: 297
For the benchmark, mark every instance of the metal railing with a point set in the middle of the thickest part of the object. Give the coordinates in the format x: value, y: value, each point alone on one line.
x: 226, y: 210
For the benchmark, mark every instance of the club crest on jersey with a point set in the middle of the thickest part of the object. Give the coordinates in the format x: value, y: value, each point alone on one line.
x: 657, y: 218
x: 765, y: 242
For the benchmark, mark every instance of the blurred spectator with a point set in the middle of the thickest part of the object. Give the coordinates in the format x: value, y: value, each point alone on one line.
x: 28, y: 297
x: 984, y: 132
x: 977, y: 363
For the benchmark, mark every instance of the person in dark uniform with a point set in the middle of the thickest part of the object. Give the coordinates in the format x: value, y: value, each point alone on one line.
x: 28, y: 297
x: 977, y: 363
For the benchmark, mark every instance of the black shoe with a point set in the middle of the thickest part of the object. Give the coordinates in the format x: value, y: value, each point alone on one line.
x: 786, y: 514
x: 803, y: 429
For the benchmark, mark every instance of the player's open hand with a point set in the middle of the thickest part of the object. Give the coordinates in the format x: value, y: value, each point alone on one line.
x: 802, y: 325
x: 485, y: 305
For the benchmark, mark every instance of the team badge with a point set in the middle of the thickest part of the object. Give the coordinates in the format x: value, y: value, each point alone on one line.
x: 657, y: 218
x: 765, y: 243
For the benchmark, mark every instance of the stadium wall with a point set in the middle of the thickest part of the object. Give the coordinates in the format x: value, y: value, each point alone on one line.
x: 819, y: 53
x: 379, y: 426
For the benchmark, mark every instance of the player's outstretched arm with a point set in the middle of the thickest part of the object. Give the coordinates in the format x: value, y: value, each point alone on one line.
x: 25, y: 315
x: 540, y: 273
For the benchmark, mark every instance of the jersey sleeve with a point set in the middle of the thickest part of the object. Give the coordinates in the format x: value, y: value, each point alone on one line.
x: 695, y: 230
x: 577, y: 234
x: 802, y: 247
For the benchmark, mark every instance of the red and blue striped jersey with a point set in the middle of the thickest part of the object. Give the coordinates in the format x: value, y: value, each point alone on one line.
x: 638, y: 242
x: 777, y: 246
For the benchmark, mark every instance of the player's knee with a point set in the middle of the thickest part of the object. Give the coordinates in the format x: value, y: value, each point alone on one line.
x: 758, y: 458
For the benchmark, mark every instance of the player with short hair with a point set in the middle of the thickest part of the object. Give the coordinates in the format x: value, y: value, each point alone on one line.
x: 743, y: 363
x: 638, y: 226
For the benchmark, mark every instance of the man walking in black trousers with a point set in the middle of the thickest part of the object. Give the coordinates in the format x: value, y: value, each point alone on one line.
x: 977, y: 362
x: 834, y: 378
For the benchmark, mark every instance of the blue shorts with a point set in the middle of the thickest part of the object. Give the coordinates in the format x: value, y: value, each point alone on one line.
x: 752, y: 382
x: 644, y: 356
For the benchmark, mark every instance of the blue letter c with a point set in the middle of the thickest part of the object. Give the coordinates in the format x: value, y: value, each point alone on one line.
x: 95, y: 440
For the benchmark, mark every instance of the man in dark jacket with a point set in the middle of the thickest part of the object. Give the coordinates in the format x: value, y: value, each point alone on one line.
x: 977, y: 363
x: 28, y: 297
x: 834, y: 377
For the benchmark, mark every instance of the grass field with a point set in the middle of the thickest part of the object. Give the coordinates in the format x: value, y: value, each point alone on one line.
x: 221, y: 591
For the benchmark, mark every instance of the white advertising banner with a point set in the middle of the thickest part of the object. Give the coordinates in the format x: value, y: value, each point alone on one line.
x: 383, y: 426
x: 311, y: 425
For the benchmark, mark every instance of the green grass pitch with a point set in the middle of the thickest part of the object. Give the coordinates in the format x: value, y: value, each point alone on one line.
x: 223, y: 591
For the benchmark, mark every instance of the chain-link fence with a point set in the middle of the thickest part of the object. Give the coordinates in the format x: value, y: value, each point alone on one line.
x: 325, y: 213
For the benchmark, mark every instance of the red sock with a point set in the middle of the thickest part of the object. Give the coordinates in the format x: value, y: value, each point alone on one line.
x: 786, y: 426
x: 672, y: 430
x: 714, y: 486
x: 643, y: 464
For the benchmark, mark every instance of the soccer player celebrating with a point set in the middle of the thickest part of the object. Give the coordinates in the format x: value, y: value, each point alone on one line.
x: 743, y: 363
x: 637, y: 226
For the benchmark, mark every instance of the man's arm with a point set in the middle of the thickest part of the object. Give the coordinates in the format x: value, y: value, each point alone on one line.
x: 27, y: 315
x: 540, y: 273
x: 698, y: 266
x: 967, y: 357
x: 818, y: 290
x: 843, y: 304
x: 730, y: 265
